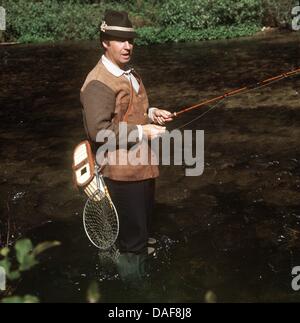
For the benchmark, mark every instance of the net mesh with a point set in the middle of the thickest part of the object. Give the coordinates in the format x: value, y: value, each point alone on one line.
x: 100, y: 220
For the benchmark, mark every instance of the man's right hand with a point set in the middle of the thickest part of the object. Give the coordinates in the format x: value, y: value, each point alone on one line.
x: 152, y: 131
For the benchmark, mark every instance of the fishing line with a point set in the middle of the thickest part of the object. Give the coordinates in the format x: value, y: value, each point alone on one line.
x: 243, y: 90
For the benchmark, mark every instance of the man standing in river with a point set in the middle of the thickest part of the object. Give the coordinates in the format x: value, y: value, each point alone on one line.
x: 112, y: 95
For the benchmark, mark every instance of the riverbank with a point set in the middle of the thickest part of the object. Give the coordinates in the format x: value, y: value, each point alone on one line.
x: 156, y: 22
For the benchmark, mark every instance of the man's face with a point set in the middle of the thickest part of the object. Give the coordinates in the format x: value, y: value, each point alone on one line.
x: 119, y: 51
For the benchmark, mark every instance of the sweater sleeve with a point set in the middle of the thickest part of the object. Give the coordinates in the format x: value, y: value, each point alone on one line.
x: 98, y: 101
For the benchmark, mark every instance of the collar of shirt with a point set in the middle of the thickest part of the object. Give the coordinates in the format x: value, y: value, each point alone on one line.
x: 117, y: 71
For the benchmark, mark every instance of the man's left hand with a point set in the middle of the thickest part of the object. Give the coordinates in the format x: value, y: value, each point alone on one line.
x: 160, y: 116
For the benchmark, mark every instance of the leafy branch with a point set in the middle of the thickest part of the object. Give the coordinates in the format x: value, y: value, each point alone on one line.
x: 25, y: 254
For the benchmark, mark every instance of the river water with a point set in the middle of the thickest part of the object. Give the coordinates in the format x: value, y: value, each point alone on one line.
x: 234, y: 231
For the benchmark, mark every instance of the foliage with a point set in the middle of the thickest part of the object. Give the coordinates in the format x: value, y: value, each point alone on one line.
x: 181, y: 34
x: 157, y: 21
x: 49, y: 20
x: 21, y: 299
x: 25, y: 256
x: 195, y: 14
x: 277, y: 13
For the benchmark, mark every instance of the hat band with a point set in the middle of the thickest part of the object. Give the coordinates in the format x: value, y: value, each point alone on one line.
x: 105, y: 27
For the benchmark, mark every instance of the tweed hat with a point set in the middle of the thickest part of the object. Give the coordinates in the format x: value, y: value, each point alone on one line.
x: 117, y: 24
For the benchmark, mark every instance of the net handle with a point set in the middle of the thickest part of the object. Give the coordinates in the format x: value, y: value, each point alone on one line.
x: 97, y: 171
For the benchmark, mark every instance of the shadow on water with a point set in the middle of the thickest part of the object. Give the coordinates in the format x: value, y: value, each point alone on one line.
x: 234, y: 230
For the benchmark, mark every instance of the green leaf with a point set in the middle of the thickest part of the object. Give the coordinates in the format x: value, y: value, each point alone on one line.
x: 4, y: 251
x: 12, y: 299
x: 28, y: 262
x: 30, y: 299
x: 6, y: 264
x: 12, y: 275
x: 23, y: 248
x: 210, y: 297
x: 44, y: 246
x: 20, y: 299
x: 93, y: 294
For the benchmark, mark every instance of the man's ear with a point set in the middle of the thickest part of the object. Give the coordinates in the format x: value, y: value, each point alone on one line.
x: 105, y: 44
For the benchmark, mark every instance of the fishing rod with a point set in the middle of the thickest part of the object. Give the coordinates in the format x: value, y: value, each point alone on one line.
x: 238, y: 91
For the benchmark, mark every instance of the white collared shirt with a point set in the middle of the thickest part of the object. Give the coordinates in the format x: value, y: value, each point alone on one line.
x: 117, y: 71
